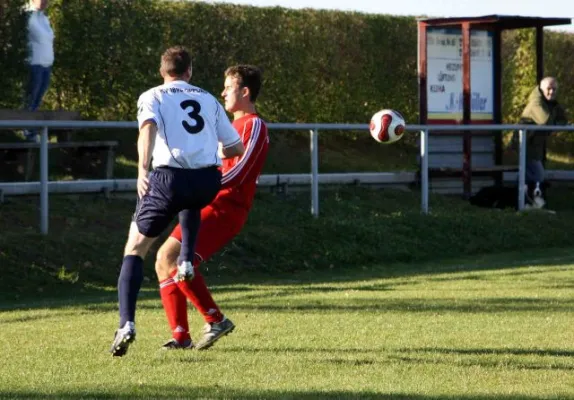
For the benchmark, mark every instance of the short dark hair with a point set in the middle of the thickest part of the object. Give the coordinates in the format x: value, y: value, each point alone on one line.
x: 248, y: 76
x: 176, y: 61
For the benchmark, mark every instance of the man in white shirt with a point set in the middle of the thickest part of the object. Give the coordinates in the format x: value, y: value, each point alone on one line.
x: 40, y: 57
x: 183, y: 134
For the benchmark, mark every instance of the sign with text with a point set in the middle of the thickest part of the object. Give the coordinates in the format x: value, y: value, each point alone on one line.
x: 444, y: 75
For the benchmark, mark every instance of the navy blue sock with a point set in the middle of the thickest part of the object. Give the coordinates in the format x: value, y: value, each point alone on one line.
x: 189, y: 221
x: 129, y: 284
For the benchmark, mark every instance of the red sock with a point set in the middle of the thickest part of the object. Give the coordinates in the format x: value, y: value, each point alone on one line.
x: 198, y: 294
x: 175, y: 307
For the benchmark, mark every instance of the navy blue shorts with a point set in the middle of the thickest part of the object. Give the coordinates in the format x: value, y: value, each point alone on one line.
x: 172, y: 190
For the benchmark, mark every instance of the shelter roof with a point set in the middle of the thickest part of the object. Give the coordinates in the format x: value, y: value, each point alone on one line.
x: 498, y: 21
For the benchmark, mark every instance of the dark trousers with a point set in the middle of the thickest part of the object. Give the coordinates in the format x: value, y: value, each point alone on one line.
x: 37, y: 85
x: 534, y: 171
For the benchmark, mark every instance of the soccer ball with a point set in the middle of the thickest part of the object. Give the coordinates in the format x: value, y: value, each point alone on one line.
x: 387, y: 126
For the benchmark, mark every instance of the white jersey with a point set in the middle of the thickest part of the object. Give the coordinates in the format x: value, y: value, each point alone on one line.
x: 191, y: 123
x: 40, y: 40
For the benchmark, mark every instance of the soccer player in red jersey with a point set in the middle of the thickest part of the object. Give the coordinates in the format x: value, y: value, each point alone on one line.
x: 221, y: 221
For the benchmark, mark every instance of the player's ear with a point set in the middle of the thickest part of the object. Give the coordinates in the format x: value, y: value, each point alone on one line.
x: 245, y: 92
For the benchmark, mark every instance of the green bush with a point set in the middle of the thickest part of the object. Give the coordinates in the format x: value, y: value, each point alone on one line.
x: 320, y: 66
x: 12, y: 52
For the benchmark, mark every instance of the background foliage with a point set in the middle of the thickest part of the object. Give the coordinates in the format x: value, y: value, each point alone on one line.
x: 323, y: 66
x: 319, y: 66
x: 12, y: 52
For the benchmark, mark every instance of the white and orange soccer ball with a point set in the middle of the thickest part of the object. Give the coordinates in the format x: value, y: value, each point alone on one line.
x: 387, y: 126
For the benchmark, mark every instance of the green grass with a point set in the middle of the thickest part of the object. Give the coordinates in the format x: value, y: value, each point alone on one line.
x: 371, y: 300
x: 357, y: 226
x: 496, y: 327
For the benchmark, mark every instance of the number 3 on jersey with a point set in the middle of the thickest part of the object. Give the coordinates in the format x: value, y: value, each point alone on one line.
x: 193, y: 115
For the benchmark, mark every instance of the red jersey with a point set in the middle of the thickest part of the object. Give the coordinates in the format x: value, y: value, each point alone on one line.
x: 240, y: 174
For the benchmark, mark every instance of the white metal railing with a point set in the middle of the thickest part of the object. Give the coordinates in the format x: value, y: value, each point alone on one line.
x: 313, y: 128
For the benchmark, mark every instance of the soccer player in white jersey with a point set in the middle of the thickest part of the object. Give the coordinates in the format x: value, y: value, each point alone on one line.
x: 180, y: 129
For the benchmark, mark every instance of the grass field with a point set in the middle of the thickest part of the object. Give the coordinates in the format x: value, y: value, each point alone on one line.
x: 371, y: 300
x: 491, y: 327
x: 358, y: 227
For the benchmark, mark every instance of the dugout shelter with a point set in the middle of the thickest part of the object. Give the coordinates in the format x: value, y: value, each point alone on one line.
x: 460, y: 82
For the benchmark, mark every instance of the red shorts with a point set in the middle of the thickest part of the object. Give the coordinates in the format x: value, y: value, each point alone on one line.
x: 220, y: 223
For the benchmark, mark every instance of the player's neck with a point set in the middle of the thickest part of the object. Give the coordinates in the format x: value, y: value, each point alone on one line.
x: 170, y: 79
x: 242, y: 113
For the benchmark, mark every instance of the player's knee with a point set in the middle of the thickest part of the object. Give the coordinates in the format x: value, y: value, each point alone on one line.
x: 165, y: 262
x: 137, y: 244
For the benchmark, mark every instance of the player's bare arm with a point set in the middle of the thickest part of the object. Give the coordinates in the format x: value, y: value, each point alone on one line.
x: 146, y: 141
x: 223, y: 156
x: 235, y: 150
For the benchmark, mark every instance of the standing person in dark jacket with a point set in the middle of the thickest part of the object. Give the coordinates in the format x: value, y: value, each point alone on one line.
x: 542, y: 109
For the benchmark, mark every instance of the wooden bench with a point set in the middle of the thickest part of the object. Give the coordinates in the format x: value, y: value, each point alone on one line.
x: 41, y: 115
x: 445, y: 153
x: 30, y: 149
x: 44, y: 115
x: 476, y: 171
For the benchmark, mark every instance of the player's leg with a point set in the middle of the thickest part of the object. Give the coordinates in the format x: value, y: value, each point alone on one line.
x: 189, y: 221
x: 172, y: 298
x: 129, y: 284
x: 220, y: 223
x: 131, y: 274
x: 202, y: 187
x: 154, y: 212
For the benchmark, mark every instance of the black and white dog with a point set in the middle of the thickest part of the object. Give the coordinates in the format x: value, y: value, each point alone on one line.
x: 507, y: 197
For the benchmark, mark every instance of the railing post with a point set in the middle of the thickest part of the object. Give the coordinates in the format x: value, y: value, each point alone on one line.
x: 315, y: 172
x: 424, y: 171
x: 44, y: 181
x: 521, y: 168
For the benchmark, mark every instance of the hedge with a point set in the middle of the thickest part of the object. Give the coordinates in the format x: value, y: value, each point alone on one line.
x: 319, y: 66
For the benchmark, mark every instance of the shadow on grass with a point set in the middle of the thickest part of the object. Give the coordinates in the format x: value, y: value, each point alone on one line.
x: 494, y: 351
x: 430, y: 356
x: 248, y: 292
x: 507, y: 364
x: 487, y: 305
x: 479, y: 357
x: 429, y: 350
x: 169, y: 392
x: 294, y: 305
